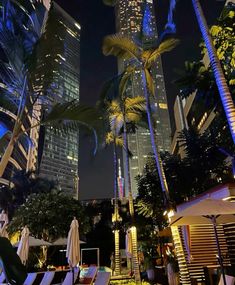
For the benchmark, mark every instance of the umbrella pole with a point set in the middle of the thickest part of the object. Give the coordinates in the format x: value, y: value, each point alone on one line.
x: 213, y: 218
x: 73, y: 275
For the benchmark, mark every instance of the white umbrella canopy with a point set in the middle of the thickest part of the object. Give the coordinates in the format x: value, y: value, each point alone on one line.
x: 23, y: 247
x: 64, y: 241
x: 208, y: 211
x: 35, y: 242
x: 73, y: 244
x: 202, y: 212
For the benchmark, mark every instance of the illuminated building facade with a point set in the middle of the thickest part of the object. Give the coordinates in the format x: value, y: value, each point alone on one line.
x: 24, y: 154
x: 132, y: 19
x: 59, y: 157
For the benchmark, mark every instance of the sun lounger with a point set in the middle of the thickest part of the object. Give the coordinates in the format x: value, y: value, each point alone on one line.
x: 70, y: 276
x: 89, y: 277
x: 47, y: 278
x: 103, y: 278
x: 30, y: 278
x: 230, y: 280
x: 2, y: 277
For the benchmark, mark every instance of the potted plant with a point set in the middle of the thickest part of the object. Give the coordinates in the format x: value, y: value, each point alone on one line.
x: 149, y: 266
x: 172, y: 267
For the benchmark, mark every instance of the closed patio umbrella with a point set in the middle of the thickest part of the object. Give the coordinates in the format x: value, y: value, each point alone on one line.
x: 73, y: 245
x: 23, y: 248
x: 128, y: 244
x: 207, y: 211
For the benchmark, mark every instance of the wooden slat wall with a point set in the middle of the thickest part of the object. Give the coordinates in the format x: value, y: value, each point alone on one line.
x: 184, y: 272
x: 203, y: 249
x: 229, y: 231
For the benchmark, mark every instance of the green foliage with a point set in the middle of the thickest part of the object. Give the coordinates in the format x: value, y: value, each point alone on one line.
x: 100, y: 235
x: 199, y: 77
x: 110, y: 2
x: 25, y: 184
x: 223, y: 35
x: 49, y: 215
x: 202, y: 168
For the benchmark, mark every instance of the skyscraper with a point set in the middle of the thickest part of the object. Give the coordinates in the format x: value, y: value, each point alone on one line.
x: 132, y: 19
x: 59, y: 156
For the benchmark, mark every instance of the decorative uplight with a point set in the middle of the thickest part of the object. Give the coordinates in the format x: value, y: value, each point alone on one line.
x: 77, y: 26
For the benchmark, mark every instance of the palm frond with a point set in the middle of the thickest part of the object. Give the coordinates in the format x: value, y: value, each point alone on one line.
x: 125, y: 78
x: 137, y: 103
x: 121, y: 47
x: 71, y: 115
x: 110, y: 2
x: 116, y: 122
x: 114, y: 107
x: 109, y: 139
x: 144, y: 208
x: 133, y: 117
x: 73, y: 111
x: 165, y: 46
x: 110, y: 89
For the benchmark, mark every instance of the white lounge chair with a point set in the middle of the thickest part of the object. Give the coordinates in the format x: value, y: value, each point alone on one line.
x: 230, y: 280
x: 2, y: 277
x: 30, y: 278
x: 47, y: 278
x: 90, y: 275
x: 70, y: 276
x: 103, y: 278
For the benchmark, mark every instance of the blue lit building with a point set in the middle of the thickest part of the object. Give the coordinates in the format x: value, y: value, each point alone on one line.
x: 22, y: 157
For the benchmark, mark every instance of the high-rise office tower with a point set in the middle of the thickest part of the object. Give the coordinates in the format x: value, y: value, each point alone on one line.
x: 59, y: 156
x: 135, y: 18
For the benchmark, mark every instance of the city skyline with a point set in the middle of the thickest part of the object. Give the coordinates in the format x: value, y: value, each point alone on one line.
x: 104, y: 68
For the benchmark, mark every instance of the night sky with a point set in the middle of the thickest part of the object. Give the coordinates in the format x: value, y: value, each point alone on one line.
x: 97, y: 20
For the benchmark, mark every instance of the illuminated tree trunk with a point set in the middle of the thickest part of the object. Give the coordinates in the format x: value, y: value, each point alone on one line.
x: 6, y: 156
x: 131, y: 209
x: 16, y: 130
x: 117, y: 269
x: 156, y: 153
x: 224, y: 92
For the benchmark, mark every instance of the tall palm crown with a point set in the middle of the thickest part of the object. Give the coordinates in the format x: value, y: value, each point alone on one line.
x: 140, y: 59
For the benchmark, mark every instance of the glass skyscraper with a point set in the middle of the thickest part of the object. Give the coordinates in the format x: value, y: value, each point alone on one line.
x: 135, y: 18
x: 59, y: 157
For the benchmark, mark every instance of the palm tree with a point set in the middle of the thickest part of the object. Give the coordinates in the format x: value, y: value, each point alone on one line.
x: 125, y: 111
x: 113, y: 138
x: 121, y: 112
x: 139, y: 59
x: 224, y: 92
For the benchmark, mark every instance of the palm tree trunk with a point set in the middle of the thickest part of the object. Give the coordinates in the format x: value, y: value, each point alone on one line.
x: 156, y: 153
x: 224, y: 92
x: 117, y: 269
x: 17, y: 127
x: 6, y: 156
x: 127, y: 171
x: 131, y: 209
